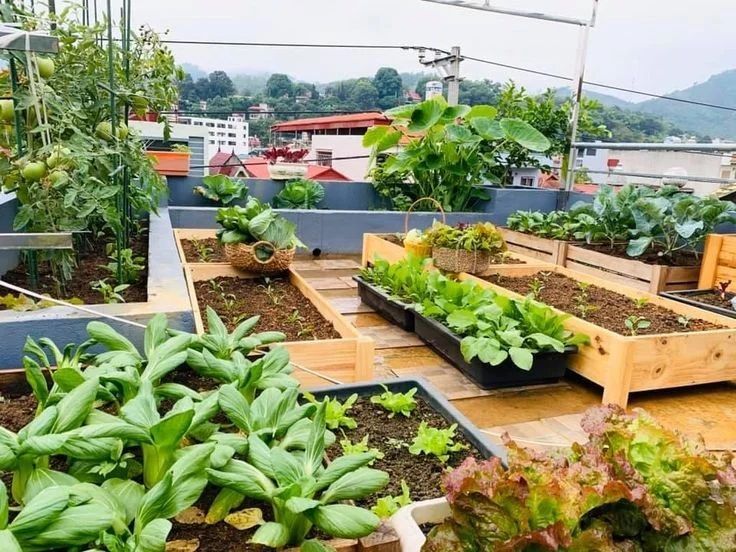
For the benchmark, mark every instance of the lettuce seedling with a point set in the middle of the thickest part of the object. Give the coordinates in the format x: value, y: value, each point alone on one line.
x: 336, y: 411
x: 435, y: 442
x: 301, y: 491
x: 386, y: 506
x: 396, y: 403
x: 359, y: 447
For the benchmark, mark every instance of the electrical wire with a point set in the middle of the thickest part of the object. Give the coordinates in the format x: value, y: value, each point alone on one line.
x: 269, y: 112
x: 598, y: 84
x: 260, y: 163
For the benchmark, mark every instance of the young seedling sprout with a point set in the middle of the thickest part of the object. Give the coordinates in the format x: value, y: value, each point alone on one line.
x: 641, y: 302
x: 721, y: 289
x: 203, y: 252
x: 583, y: 307
x: 536, y: 286
x: 636, y: 323
x: 684, y: 320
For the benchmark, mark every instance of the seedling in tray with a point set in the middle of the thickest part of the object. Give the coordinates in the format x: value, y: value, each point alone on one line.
x: 636, y: 323
x: 386, y: 506
x: 721, y: 290
x: 436, y: 442
x: 684, y: 320
x: 203, y: 252
x: 335, y: 411
x: 360, y: 447
x: 396, y: 403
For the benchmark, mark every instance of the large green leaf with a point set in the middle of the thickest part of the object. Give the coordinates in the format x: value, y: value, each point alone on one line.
x: 272, y: 534
x: 484, y: 111
x: 104, y: 334
x: 76, y: 406
x: 40, y: 511
x: 153, y: 536
x: 344, y: 521
x: 523, y: 358
x: 638, y: 246
x: 525, y: 135
x: 75, y: 526
x: 356, y: 485
x: 426, y: 115
x: 487, y: 128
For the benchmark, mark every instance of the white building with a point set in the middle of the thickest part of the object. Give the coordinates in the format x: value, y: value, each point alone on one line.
x: 224, y: 135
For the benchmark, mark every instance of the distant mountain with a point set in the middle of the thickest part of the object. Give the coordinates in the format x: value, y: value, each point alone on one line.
x: 719, y: 89
x: 250, y: 83
x: 196, y: 72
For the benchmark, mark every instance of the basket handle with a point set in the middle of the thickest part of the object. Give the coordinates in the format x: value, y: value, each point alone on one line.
x: 411, y: 208
x: 255, y: 254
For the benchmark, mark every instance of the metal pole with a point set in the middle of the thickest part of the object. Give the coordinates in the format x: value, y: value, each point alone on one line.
x: 453, y: 80
x: 577, y: 93
x: 114, y: 132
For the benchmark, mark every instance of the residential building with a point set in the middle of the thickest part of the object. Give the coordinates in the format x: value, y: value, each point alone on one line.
x: 228, y: 164
x: 229, y: 134
x: 335, y: 141
x: 260, y: 111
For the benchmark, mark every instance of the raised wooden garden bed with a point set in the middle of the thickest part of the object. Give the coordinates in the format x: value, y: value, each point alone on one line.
x: 208, y: 246
x: 377, y: 246
x: 348, y: 358
x: 628, y: 272
x: 623, y: 364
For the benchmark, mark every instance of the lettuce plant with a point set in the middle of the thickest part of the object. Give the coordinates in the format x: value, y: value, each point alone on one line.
x: 222, y: 189
x: 386, y: 506
x: 301, y: 492
x: 299, y: 194
x: 336, y: 412
x: 633, y: 486
x: 436, y: 442
x: 256, y: 222
x: 396, y: 403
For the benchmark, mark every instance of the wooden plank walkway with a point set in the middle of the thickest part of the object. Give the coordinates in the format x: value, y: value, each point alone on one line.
x: 541, y: 417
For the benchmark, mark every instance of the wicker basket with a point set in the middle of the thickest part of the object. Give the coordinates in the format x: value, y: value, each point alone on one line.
x: 460, y: 260
x: 420, y: 250
x: 244, y: 257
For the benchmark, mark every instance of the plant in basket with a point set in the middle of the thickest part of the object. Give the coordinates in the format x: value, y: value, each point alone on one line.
x: 256, y: 238
x: 286, y: 163
x: 465, y: 247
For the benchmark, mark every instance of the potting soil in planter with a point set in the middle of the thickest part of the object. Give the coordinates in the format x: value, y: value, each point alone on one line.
x: 600, y: 306
x: 281, y: 305
x: 90, y: 268
x: 710, y: 297
x: 205, y: 250
x: 651, y: 256
x: 392, y: 436
x: 392, y: 310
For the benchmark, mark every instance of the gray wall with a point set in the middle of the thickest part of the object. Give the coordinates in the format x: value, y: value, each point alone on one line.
x: 8, y: 208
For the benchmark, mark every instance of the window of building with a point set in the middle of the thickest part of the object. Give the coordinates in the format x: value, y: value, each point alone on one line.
x: 231, y: 144
x: 212, y: 141
x: 324, y: 158
x: 231, y: 135
x: 527, y: 181
x: 590, y: 152
x: 210, y: 124
x: 197, y: 123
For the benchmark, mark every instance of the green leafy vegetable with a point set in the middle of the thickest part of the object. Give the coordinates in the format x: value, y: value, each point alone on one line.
x: 256, y: 222
x: 386, y: 506
x: 299, y: 194
x: 396, y: 403
x: 436, y: 442
x: 336, y: 411
x: 222, y: 189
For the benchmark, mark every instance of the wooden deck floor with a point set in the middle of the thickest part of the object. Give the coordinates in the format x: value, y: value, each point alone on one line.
x: 541, y: 417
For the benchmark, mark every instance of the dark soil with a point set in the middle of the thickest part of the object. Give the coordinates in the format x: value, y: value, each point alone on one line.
x: 218, y: 537
x: 206, y: 250
x: 282, y: 306
x: 679, y: 258
x: 712, y: 298
x: 17, y: 412
x: 504, y: 259
x: 611, y: 309
x: 89, y: 269
x: 423, y: 473
x: 397, y: 239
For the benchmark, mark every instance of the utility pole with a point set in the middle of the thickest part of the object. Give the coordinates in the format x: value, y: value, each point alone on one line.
x: 448, y: 66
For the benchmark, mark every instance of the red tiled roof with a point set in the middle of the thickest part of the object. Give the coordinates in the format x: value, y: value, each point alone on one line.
x: 256, y: 167
x: 224, y: 163
x: 354, y: 120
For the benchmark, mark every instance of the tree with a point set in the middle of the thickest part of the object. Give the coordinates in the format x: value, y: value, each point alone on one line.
x: 220, y: 85
x: 364, y: 95
x: 279, y: 85
x: 389, y: 86
x: 483, y: 92
x: 187, y: 89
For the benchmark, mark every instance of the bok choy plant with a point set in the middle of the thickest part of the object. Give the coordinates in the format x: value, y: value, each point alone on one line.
x: 301, y: 492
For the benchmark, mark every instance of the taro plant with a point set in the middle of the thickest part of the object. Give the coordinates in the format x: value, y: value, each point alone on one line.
x: 453, y: 150
x: 436, y: 442
x: 396, y: 403
x: 222, y: 189
x: 301, y: 492
x: 299, y: 194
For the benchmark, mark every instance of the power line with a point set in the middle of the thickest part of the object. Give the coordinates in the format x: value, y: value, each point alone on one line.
x: 600, y: 85
x: 261, y: 163
x: 269, y: 112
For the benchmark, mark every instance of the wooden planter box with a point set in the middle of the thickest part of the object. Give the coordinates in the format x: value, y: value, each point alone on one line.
x: 719, y: 261
x: 348, y: 359
x: 193, y: 234
x: 374, y: 245
x: 628, y: 272
x: 171, y: 163
x: 627, y: 364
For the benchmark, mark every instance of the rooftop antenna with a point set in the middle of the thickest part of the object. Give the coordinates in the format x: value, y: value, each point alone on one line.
x: 577, y: 88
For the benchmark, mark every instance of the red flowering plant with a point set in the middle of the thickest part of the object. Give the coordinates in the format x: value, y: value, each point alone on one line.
x: 634, y: 486
x: 285, y: 155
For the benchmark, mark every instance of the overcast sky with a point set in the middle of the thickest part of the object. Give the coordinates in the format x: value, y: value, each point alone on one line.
x: 653, y: 45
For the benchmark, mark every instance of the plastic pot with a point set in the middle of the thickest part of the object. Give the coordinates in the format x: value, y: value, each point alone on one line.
x: 394, y: 311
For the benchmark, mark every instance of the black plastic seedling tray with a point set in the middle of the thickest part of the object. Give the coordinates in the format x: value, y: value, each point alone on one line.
x: 548, y: 367
x: 684, y: 296
x: 394, y: 311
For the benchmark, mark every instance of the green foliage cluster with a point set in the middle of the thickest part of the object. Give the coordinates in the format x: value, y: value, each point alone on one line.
x: 633, y: 486
x: 662, y: 221
x: 453, y: 149
x: 433, y: 441
x: 396, y: 403
x: 256, y: 222
x: 481, y: 236
x: 222, y: 189
x: 493, y: 327
x: 299, y: 194
x: 137, y: 449
x: 63, y: 178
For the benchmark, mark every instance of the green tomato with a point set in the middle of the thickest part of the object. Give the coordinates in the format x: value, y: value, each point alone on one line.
x: 59, y: 176
x: 122, y: 131
x: 104, y: 131
x: 34, y: 171
x: 7, y: 111
x: 138, y: 101
x: 46, y: 67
